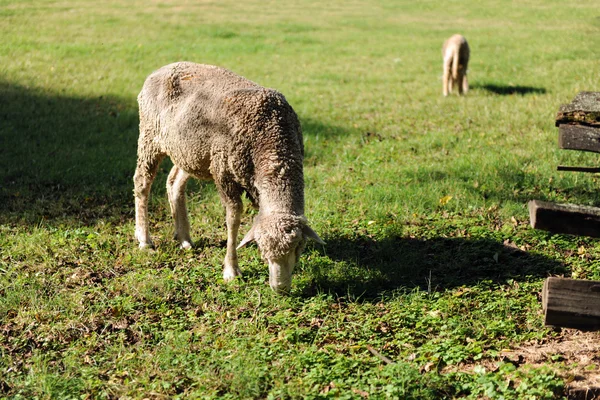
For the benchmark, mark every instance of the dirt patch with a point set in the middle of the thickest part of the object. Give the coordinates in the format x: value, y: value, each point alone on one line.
x: 573, y: 354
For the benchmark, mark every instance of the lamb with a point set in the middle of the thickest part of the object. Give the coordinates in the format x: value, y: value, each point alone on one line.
x: 219, y: 126
x: 456, y: 58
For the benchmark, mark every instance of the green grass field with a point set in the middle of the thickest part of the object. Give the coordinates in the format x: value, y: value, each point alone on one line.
x: 430, y: 271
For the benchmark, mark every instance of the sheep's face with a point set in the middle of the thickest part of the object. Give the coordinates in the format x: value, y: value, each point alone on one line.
x: 281, y: 239
x: 280, y: 272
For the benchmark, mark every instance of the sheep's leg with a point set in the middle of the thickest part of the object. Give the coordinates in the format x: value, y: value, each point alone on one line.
x: 460, y: 81
x: 465, y: 83
x: 233, y: 210
x: 447, y: 79
x: 145, y: 172
x: 176, y: 192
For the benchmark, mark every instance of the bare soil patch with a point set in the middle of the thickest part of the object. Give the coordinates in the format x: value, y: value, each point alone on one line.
x: 573, y: 354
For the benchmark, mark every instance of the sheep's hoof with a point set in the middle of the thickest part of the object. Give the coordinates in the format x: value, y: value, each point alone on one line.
x: 146, y: 246
x: 281, y: 291
x: 230, y: 274
x: 185, y: 245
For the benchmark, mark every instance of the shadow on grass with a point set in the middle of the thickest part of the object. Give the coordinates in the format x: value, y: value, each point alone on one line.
x: 315, y: 128
x: 521, y: 187
x: 368, y: 267
x: 65, y: 158
x: 508, y: 89
x: 511, y: 184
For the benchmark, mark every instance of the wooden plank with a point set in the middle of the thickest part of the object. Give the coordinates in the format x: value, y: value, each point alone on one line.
x: 578, y: 169
x: 565, y: 218
x: 585, y: 393
x: 571, y: 303
x: 579, y: 137
x: 584, y: 109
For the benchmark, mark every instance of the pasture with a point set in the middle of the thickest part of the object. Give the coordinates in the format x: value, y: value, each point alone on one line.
x: 429, y: 284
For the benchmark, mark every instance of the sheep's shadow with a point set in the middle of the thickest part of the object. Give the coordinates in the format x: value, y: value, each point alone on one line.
x: 506, y: 90
x: 65, y: 158
x: 366, y: 267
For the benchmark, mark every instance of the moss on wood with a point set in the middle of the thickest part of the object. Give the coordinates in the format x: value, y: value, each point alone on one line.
x: 584, y: 109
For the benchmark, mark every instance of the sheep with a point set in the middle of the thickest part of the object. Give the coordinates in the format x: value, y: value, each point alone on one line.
x: 456, y: 58
x: 216, y: 125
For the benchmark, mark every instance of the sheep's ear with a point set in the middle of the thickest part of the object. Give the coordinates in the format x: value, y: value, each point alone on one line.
x: 309, y: 233
x: 248, y: 238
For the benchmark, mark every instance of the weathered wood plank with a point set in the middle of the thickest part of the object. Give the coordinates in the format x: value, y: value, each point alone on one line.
x: 578, y: 393
x: 584, y: 109
x: 578, y: 169
x: 571, y: 303
x: 579, y: 137
x: 565, y: 218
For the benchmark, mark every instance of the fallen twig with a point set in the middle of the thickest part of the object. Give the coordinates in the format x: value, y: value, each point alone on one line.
x: 379, y: 355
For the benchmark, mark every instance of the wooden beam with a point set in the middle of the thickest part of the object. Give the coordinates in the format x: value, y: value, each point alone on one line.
x: 571, y: 303
x: 583, y: 393
x: 579, y: 137
x: 565, y: 218
x: 578, y: 169
x: 584, y: 109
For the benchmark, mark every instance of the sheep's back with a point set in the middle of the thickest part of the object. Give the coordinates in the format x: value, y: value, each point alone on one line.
x: 211, y: 121
x: 175, y: 84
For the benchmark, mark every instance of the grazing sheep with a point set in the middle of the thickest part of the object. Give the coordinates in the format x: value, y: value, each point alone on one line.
x: 214, y: 124
x: 456, y: 58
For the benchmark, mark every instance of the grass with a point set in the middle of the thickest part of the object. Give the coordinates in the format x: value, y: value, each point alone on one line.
x: 430, y: 265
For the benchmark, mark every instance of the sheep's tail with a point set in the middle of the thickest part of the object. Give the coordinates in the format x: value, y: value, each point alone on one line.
x: 455, y: 62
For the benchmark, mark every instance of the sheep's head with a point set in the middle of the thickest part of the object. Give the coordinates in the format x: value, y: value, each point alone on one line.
x: 281, y: 239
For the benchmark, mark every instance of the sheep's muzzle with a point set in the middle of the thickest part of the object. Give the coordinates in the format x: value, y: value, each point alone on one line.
x: 280, y: 272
